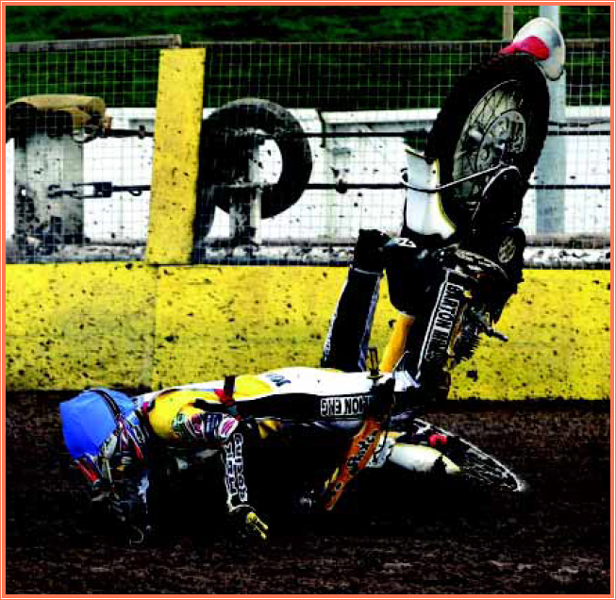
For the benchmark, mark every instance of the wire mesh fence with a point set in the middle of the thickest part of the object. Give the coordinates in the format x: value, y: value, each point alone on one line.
x: 325, y: 144
x: 79, y: 126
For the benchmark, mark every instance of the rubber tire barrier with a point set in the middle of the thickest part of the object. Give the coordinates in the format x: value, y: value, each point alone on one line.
x: 218, y: 157
x: 460, y: 103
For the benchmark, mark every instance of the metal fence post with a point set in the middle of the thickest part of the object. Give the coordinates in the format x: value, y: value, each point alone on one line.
x: 507, y: 23
x: 245, y: 206
x: 552, y: 166
x: 43, y: 217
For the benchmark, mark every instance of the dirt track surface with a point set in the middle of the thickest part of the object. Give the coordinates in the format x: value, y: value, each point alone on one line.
x: 427, y: 540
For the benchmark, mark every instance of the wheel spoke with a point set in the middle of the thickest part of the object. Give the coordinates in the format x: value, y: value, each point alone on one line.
x: 497, y: 115
x: 494, y: 130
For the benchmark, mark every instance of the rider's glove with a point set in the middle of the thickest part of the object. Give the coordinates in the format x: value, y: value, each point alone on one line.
x: 214, y: 428
x: 225, y: 427
x: 248, y: 523
x: 131, y: 517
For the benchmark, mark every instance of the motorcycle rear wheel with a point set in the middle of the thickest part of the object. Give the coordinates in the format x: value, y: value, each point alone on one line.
x: 495, y: 115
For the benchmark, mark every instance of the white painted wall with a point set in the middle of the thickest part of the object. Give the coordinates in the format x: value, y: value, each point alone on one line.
x: 327, y: 214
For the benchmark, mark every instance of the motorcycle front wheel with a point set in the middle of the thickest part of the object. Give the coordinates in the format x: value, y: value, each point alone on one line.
x: 428, y: 448
x: 495, y: 115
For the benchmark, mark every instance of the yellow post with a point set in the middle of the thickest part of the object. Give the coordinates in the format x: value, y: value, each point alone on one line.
x: 179, y: 110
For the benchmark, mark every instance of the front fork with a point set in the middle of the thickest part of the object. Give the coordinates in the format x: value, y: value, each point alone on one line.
x: 429, y: 338
x: 443, y: 323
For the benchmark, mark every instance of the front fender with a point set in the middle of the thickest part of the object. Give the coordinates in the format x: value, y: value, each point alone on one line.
x: 421, y: 459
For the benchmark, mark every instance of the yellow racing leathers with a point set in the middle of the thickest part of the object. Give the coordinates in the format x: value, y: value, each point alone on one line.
x: 273, y: 400
x: 193, y: 418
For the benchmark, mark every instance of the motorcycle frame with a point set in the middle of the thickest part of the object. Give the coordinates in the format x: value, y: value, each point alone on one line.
x: 424, y: 213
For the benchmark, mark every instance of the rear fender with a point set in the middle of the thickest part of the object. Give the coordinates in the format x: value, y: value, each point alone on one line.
x: 542, y: 40
x: 424, y: 212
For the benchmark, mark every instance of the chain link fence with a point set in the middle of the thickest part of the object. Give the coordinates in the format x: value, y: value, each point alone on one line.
x: 330, y: 126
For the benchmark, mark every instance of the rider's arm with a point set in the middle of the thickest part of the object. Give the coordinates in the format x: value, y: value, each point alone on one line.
x: 239, y: 509
x: 180, y: 421
x: 129, y: 505
x: 119, y: 485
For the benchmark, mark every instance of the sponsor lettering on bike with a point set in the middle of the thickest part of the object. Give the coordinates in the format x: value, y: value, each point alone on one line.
x: 362, y: 449
x: 443, y: 321
x: 344, y: 406
x: 277, y: 379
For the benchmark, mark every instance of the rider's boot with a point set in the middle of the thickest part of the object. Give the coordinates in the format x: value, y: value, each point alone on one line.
x: 505, y: 247
x: 509, y: 252
x: 368, y: 253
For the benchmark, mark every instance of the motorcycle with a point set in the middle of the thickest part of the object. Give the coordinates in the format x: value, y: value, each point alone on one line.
x: 466, y: 191
x: 463, y: 205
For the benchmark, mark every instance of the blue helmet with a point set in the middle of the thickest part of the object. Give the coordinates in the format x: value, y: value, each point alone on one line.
x: 104, y: 435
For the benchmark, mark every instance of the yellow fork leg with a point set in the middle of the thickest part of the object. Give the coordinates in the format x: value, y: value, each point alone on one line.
x: 397, y: 343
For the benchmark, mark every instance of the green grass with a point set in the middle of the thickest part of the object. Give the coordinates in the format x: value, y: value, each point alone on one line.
x: 289, y: 23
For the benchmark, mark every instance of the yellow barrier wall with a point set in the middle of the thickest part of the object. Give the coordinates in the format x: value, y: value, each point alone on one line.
x: 130, y: 324
x: 69, y: 326
x: 74, y: 325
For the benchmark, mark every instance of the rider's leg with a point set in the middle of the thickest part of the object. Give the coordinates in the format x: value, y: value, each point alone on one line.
x: 347, y: 340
